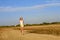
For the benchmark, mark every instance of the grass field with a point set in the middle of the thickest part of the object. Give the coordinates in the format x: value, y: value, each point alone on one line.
x: 43, y: 32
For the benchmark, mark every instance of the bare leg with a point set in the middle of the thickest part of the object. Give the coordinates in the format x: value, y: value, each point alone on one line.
x: 22, y: 31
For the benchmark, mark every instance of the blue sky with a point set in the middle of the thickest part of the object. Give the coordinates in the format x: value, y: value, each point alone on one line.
x: 33, y: 11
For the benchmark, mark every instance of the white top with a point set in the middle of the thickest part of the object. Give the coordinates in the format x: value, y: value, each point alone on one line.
x: 21, y: 24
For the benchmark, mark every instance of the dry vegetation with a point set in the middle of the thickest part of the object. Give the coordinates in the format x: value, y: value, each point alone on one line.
x: 46, y: 30
x: 53, y: 29
x: 43, y: 32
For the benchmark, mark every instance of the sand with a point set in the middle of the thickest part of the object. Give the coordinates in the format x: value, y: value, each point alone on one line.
x: 10, y: 34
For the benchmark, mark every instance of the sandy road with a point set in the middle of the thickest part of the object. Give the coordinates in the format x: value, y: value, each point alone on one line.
x: 10, y: 34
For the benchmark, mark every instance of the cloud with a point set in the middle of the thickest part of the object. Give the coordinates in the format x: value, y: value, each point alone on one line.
x: 12, y: 9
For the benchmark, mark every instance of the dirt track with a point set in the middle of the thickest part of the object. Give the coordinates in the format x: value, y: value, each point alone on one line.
x: 10, y: 34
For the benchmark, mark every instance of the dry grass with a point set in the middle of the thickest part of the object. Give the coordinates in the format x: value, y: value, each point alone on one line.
x: 34, y: 33
x: 47, y: 30
x: 53, y: 29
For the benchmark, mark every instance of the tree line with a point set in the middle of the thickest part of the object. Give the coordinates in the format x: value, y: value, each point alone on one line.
x: 44, y: 23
